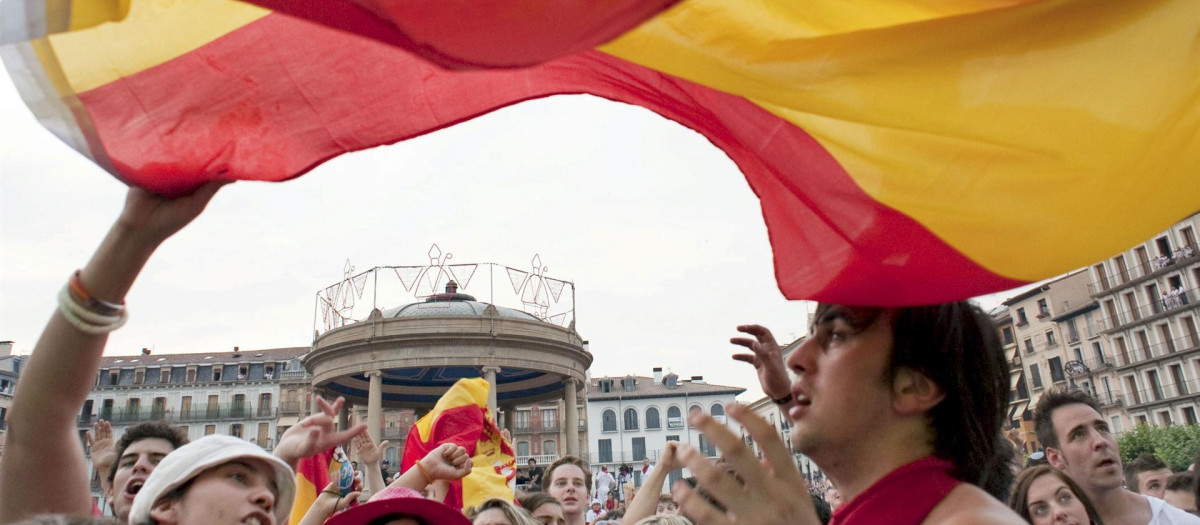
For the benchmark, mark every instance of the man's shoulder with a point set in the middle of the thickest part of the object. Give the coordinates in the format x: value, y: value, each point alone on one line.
x: 1164, y: 514
x: 970, y: 504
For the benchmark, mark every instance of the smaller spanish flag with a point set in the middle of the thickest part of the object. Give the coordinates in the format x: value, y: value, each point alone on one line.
x: 313, y: 473
x: 461, y: 417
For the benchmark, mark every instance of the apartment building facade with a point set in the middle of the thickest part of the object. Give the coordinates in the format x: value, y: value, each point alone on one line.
x: 1148, y: 302
x: 633, y: 417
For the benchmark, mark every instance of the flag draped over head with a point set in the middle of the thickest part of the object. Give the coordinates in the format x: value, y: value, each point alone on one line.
x: 461, y: 416
x: 904, y: 151
x: 313, y: 473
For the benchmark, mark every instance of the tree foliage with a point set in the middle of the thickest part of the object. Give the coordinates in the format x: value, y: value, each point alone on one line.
x: 1176, y: 445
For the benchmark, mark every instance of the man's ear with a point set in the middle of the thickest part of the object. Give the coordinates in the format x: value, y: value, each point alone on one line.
x: 166, y: 512
x: 914, y: 393
x: 1055, y: 458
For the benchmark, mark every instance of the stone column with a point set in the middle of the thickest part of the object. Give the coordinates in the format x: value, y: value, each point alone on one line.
x: 510, y: 422
x: 344, y: 417
x: 572, y: 418
x: 375, y: 404
x: 489, y: 374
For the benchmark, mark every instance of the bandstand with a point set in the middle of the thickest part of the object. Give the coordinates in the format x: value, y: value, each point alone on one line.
x: 408, y: 356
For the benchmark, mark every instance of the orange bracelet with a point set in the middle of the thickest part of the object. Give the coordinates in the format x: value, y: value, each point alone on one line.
x: 424, y: 473
x: 85, y: 299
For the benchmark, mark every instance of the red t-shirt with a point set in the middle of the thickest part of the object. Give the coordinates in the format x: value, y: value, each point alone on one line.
x: 903, y: 497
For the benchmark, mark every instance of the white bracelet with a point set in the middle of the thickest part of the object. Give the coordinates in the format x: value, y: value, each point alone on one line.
x: 87, y: 321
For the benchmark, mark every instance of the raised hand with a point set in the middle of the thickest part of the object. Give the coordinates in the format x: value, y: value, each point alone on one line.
x: 767, y: 359
x: 771, y: 489
x: 447, y: 462
x: 369, y: 452
x: 328, y: 503
x: 315, y: 433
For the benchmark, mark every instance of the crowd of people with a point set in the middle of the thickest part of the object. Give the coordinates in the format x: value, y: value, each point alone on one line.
x: 903, y: 408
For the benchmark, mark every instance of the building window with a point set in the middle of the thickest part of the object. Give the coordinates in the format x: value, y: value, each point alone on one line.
x: 1021, y: 319
x: 522, y: 448
x: 1028, y: 346
x: 243, y: 372
x: 1164, y: 419
x: 629, y: 384
x: 1035, y: 375
x: 1116, y: 425
x: 191, y: 375
x: 673, y: 438
x: 522, y: 420
x: 235, y: 430
x: 674, y: 417
x: 1007, y: 334
x: 264, y: 435
x: 549, y: 418
x: 164, y: 375
x: 114, y: 378
x: 1056, y: 370
x: 606, y: 385
x: 1043, y: 309
x: 1051, y: 340
x: 605, y: 452
x: 210, y: 430
x: 706, y: 448
x: 639, y: 448
x: 269, y: 371
x: 550, y: 447
x: 216, y: 373
x: 1189, y: 415
x: 631, y: 419
x: 717, y: 410
x: 609, y: 421
x: 652, y: 418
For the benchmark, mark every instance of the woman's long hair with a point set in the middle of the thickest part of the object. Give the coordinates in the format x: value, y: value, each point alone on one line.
x: 1019, y: 501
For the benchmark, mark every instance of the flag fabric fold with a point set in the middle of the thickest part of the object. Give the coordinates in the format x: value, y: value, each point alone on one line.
x: 461, y: 417
x: 904, y: 152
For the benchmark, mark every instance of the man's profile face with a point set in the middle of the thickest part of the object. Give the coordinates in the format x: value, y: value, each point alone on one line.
x: 1087, y: 452
x: 1153, y: 482
x: 136, y: 463
x: 839, y: 386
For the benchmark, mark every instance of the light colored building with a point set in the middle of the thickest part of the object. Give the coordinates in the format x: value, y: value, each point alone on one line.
x: 10, y: 370
x: 233, y: 393
x: 1149, y: 304
x: 633, y: 417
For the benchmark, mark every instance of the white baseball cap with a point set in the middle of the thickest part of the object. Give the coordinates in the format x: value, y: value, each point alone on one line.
x: 189, y: 461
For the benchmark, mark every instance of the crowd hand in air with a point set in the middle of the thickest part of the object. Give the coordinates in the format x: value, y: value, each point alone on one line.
x: 328, y: 503
x: 447, y: 462
x: 316, y: 433
x: 774, y: 491
x: 767, y: 359
x: 104, y: 453
x: 370, y: 455
x: 645, y: 501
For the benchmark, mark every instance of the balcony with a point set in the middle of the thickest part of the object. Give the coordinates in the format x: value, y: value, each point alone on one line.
x: 221, y: 412
x: 1158, y: 351
x: 535, y: 427
x: 542, y: 460
x: 624, y: 456
x: 1158, y: 266
x: 1163, y: 394
x: 1144, y: 313
x: 394, y: 434
x: 291, y: 408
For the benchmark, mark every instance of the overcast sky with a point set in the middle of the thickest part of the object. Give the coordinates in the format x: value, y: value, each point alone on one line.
x: 656, y: 227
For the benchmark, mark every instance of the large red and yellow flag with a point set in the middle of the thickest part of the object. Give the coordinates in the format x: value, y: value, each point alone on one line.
x: 904, y: 151
x: 312, y: 475
x: 461, y: 416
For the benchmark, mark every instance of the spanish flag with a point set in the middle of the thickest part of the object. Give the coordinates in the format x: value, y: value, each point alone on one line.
x: 903, y: 151
x: 461, y: 416
x: 313, y: 474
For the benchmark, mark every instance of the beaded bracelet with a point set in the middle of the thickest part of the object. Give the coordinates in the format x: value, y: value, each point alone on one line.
x: 87, y: 321
x: 81, y: 295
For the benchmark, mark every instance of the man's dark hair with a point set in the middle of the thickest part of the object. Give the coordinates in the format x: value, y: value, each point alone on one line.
x: 532, y: 500
x: 568, y: 460
x: 150, y: 429
x: 1182, y: 481
x: 534, y: 461
x: 1053, y: 400
x: 1143, y: 463
x: 956, y: 345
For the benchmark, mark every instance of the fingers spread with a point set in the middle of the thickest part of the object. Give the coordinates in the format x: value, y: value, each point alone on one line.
x: 749, y: 358
x: 773, y: 449
x: 732, y: 448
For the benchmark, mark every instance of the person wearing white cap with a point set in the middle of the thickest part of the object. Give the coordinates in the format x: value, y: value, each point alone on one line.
x: 216, y: 480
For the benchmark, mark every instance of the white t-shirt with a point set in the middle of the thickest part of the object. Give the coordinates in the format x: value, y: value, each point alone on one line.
x: 604, y: 482
x: 1163, y: 514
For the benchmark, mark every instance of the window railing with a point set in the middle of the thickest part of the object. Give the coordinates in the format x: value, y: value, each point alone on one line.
x: 1118, y: 278
x: 1161, y: 304
x: 534, y: 426
x: 622, y: 456
x: 228, y: 411
x: 1164, y: 392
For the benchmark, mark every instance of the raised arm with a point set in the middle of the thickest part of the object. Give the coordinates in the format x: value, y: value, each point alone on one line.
x: 41, y: 434
x: 371, y: 455
x: 447, y: 462
x: 645, y: 503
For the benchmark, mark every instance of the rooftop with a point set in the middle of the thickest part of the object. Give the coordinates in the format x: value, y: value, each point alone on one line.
x: 647, y: 387
x: 203, y: 358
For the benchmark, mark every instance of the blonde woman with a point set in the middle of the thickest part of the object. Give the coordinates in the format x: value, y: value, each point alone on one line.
x: 496, y: 511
